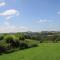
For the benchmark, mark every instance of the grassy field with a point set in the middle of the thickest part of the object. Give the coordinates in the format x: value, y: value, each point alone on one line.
x: 45, y: 51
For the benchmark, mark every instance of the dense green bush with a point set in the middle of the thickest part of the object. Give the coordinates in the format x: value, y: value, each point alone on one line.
x: 23, y: 45
x: 12, y: 41
x: 31, y: 43
x: 1, y: 37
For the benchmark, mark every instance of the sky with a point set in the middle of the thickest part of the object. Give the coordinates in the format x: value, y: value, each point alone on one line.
x: 29, y: 15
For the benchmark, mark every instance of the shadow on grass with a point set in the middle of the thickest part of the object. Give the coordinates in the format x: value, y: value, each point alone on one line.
x: 14, y: 50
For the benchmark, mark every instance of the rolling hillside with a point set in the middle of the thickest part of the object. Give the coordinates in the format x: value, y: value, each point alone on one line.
x: 45, y: 51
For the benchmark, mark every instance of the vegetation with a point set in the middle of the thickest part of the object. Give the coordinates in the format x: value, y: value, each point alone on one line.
x: 10, y: 42
x: 16, y: 41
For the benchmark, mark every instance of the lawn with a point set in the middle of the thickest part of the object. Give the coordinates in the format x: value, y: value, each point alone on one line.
x: 45, y: 51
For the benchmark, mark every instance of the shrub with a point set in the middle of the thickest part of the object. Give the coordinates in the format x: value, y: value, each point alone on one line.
x: 2, y: 50
x: 31, y: 43
x: 1, y: 37
x: 12, y: 41
x: 23, y: 45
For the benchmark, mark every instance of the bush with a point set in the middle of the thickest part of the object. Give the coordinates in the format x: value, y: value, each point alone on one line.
x: 23, y: 45
x: 31, y: 43
x: 2, y: 50
x: 1, y: 37
x: 12, y: 41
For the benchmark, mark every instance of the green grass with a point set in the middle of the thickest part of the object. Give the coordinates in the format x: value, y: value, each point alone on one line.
x: 45, y: 51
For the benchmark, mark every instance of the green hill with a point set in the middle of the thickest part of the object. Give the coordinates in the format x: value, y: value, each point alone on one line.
x: 45, y: 51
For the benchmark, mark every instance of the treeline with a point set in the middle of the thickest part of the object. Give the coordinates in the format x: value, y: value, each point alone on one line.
x: 10, y: 42
x: 44, y: 36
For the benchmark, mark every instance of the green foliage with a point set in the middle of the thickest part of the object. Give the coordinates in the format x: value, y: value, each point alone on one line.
x: 3, y: 43
x: 8, y: 38
x: 12, y: 42
x: 31, y: 43
x: 1, y: 37
x: 20, y: 36
x: 15, y: 41
x: 23, y: 45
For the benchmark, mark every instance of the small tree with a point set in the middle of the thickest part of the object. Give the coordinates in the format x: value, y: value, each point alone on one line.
x: 12, y: 41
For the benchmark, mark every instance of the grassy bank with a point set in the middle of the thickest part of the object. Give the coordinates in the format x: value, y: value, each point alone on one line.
x: 45, y: 51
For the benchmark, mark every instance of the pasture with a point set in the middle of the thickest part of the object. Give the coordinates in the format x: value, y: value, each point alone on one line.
x: 45, y: 51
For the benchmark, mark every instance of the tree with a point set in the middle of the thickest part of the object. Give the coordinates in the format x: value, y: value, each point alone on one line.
x: 20, y: 36
x: 12, y: 41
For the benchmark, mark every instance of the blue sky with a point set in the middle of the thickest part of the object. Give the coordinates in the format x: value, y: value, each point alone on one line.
x: 29, y: 15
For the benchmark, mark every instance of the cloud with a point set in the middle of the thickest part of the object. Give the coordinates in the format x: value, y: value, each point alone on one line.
x: 2, y: 4
x: 8, y: 27
x: 12, y: 28
x: 41, y: 21
x: 9, y: 12
x: 58, y: 12
x: 8, y: 17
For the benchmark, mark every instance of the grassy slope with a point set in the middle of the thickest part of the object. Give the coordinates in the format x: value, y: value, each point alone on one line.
x: 46, y: 51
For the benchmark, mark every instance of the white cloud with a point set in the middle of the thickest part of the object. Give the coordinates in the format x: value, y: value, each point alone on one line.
x: 41, y: 21
x: 2, y: 4
x: 58, y: 12
x: 12, y: 28
x: 8, y: 17
x: 9, y: 12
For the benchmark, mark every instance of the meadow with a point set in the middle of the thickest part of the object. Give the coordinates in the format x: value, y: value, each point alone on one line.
x: 45, y: 51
